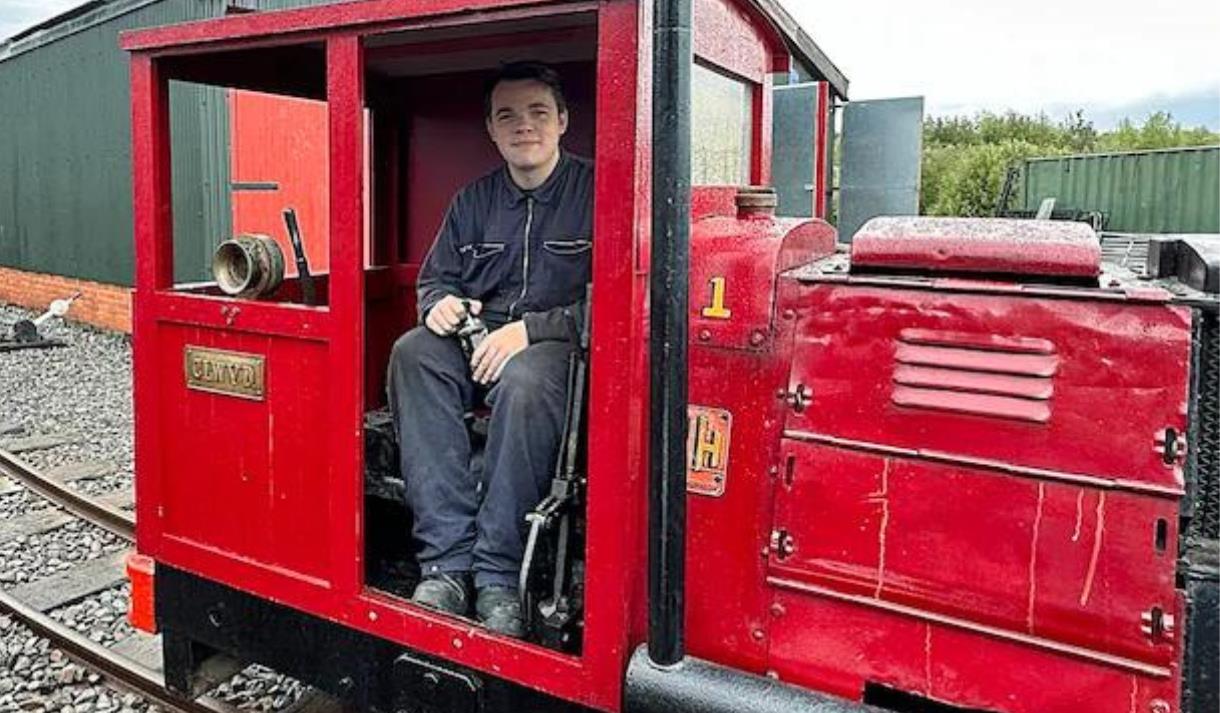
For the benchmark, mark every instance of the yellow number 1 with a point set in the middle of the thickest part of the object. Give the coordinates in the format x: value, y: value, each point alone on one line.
x: 716, y: 310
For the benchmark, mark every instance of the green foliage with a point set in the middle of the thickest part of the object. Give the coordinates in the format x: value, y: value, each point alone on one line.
x: 965, y: 159
x: 1159, y: 131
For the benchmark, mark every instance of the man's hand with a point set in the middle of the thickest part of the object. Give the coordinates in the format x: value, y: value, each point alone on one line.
x: 446, y: 316
x: 496, y: 349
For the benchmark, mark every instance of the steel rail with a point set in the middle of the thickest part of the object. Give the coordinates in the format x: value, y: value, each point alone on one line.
x: 115, y: 668
x: 111, y: 519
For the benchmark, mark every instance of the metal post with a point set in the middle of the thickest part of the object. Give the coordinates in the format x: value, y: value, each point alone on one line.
x: 668, y: 286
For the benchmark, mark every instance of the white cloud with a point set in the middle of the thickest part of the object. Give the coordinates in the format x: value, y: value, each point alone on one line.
x: 1029, y: 55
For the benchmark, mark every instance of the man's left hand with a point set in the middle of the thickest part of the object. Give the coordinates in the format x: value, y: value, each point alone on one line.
x: 496, y: 349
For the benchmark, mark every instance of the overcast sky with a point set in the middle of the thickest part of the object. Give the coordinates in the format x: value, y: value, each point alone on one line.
x: 1110, y: 57
x: 1032, y: 55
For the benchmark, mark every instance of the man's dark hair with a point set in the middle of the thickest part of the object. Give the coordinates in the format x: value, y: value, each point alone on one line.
x: 517, y: 71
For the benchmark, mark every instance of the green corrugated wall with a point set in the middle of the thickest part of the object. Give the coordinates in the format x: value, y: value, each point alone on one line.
x: 1169, y: 191
x: 65, y: 150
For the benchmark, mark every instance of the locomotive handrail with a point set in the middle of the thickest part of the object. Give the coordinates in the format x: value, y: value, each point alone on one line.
x: 667, y: 344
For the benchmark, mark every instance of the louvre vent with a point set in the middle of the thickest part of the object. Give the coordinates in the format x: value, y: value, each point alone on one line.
x: 977, y: 374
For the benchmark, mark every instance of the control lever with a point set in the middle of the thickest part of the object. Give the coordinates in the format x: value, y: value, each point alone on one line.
x: 308, y: 294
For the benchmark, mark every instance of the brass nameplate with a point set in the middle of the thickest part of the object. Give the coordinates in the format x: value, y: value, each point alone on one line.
x: 222, y: 372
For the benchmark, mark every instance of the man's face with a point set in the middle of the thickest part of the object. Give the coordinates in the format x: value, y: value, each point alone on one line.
x: 525, y: 124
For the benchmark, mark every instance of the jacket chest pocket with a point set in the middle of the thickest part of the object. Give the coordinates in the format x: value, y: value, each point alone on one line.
x: 484, y: 265
x: 566, y: 248
x: 481, y: 251
x: 564, y: 269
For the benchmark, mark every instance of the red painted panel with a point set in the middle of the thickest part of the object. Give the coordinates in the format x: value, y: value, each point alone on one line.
x: 153, y: 237
x: 821, y: 149
x: 1069, y: 564
x: 849, y: 347
x: 726, y: 602
x: 245, y: 29
x: 840, y: 646
x: 282, y: 141
x: 712, y: 201
x: 998, y: 245
x: 249, y: 488
x: 746, y: 254
x: 726, y: 36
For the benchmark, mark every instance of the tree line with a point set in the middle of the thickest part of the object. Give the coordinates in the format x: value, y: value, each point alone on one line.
x: 965, y: 159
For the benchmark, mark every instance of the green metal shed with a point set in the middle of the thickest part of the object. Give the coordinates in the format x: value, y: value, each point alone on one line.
x: 1166, y: 191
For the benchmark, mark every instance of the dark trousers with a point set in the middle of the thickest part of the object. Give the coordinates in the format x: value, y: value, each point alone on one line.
x: 463, y: 523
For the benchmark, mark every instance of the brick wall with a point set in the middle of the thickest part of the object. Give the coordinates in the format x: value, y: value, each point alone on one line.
x: 102, y: 305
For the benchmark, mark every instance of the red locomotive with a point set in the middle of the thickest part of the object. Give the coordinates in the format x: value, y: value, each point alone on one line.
x: 963, y: 465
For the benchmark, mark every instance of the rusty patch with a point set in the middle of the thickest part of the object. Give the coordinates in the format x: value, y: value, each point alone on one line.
x: 707, y: 450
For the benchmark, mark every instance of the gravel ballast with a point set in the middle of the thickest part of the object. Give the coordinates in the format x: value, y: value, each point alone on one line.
x: 81, y: 390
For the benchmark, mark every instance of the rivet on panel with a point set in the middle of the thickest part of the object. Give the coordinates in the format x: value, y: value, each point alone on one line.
x: 773, y: 674
x: 457, y: 643
x: 757, y: 337
x: 372, y: 616
x: 757, y: 634
x: 773, y: 471
x: 1159, y: 706
x: 778, y: 610
x: 789, y: 314
x: 705, y: 335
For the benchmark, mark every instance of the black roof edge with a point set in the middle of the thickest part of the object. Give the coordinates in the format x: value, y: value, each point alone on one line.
x: 803, y: 46
x: 64, y: 16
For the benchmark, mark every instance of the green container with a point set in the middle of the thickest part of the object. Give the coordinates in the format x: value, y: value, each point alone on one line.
x: 1166, y: 191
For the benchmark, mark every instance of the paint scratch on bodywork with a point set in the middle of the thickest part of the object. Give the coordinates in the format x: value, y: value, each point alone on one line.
x: 883, y: 496
x: 1033, y: 560
x: 1098, y: 530
x: 1079, y: 515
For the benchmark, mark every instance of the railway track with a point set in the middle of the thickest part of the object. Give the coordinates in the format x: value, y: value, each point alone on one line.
x: 141, y: 677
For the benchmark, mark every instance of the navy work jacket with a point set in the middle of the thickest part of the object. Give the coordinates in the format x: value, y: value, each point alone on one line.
x: 524, y: 254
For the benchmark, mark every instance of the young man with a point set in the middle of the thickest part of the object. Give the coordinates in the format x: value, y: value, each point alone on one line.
x: 514, y: 249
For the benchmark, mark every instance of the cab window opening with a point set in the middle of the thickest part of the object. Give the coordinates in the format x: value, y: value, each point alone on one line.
x: 478, y: 233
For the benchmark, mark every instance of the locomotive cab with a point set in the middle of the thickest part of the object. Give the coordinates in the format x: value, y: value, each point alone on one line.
x: 415, y: 126
x: 265, y: 490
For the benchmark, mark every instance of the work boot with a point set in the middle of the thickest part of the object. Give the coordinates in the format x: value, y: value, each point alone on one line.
x: 446, y: 592
x: 499, y: 609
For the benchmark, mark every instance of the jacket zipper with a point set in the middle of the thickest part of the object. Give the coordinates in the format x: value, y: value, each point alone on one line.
x: 525, y: 262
